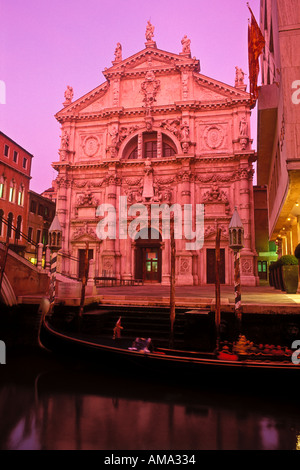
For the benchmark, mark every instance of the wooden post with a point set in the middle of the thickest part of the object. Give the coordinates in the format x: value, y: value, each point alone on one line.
x: 172, y: 282
x: 237, y: 290
x: 84, y: 279
x: 217, y: 289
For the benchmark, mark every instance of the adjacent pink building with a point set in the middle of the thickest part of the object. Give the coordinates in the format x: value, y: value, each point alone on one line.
x: 156, y: 131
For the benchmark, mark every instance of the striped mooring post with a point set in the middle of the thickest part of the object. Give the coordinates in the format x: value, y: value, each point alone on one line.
x: 237, y: 288
x: 53, y: 264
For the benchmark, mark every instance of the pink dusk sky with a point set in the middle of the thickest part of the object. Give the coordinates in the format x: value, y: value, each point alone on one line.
x: 47, y: 45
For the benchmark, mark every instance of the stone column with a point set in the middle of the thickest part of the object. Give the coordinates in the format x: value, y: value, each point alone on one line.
x: 48, y: 253
x: 39, y: 255
x: 184, y: 257
x: 166, y: 262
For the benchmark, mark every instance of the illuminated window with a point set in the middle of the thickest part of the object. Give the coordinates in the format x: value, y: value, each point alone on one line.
x: 21, y: 196
x: 1, y: 190
x: 12, y: 190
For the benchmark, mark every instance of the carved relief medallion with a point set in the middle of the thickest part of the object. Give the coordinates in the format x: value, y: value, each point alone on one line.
x: 90, y: 145
x: 213, y: 137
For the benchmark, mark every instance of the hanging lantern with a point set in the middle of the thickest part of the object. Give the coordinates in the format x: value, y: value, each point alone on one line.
x: 236, y: 232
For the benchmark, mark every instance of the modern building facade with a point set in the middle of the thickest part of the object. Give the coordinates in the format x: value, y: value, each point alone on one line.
x: 15, y: 169
x: 155, y: 132
x: 278, y: 164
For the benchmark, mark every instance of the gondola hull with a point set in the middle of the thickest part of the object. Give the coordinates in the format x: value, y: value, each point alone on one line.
x: 106, y: 352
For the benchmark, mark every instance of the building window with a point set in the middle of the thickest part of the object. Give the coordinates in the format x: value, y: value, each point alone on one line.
x: 12, y: 191
x: 1, y: 190
x: 41, y: 210
x: 21, y: 196
x: 150, y: 149
x: 18, y: 229
x: 1, y: 222
x: 33, y: 207
x: 38, y: 236
x: 30, y: 230
x: 168, y: 151
x: 134, y: 154
x: 6, y: 150
x: 15, y: 157
x: 24, y: 163
x: 9, y: 224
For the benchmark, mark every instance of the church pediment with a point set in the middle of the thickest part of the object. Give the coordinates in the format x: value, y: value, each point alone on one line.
x: 208, y: 89
x: 93, y: 101
x: 151, y: 58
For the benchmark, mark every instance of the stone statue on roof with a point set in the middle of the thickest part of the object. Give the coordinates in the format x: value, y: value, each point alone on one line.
x: 69, y: 94
x: 149, y: 31
x: 118, y: 52
x: 186, y: 45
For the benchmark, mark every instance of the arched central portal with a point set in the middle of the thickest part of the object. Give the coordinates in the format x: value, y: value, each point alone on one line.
x: 148, y: 256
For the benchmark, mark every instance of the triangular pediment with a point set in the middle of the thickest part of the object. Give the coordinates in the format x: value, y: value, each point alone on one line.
x: 160, y: 63
x: 153, y: 58
x: 209, y: 89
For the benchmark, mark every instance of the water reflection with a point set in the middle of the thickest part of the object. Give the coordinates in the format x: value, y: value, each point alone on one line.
x: 69, y: 408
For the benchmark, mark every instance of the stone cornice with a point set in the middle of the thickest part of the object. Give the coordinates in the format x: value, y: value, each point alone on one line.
x: 170, y: 62
x: 178, y: 106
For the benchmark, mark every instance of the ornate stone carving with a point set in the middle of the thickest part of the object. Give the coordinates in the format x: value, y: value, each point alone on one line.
x: 185, y: 265
x: 83, y: 231
x: 90, y: 145
x: 116, y: 85
x: 213, y: 136
x: 245, y: 173
x: 215, y: 178
x: 215, y: 195
x: 184, y: 85
x: 211, y: 230
x: 172, y: 125
x: 150, y: 87
x: 86, y: 199
x: 247, y: 266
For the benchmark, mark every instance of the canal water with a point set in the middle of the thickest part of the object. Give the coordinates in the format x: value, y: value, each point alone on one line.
x: 51, y: 404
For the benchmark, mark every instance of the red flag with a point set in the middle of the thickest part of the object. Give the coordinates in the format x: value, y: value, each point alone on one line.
x: 256, y: 43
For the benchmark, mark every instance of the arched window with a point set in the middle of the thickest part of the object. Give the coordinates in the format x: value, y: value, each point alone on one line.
x: 2, y: 187
x: 153, y: 145
x: 12, y: 191
x: 18, y: 228
x: 21, y: 195
x: 9, y: 224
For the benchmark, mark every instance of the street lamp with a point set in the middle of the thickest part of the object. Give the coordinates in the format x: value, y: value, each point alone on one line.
x: 236, y: 243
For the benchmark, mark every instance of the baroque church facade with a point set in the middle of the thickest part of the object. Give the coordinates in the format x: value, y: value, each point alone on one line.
x: 156, y: 131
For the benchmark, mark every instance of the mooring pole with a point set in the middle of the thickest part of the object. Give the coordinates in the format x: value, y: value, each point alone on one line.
x: 237, y: 289
x: 217, y: 289
x: 84, y: 279
x: 172, y: 282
